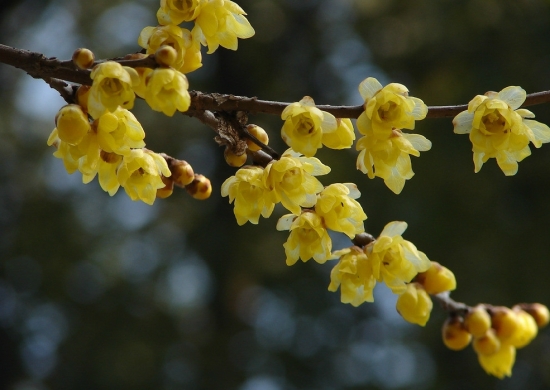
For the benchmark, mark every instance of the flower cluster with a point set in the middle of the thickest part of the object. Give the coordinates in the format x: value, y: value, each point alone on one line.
x: 384, y: 149
x: 496, y: 332
x: 389, y: 259
x: 499, y: 129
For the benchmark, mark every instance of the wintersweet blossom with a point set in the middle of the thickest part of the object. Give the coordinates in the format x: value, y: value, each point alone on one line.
x: 414, y: 304
x: 167, y: 91
x: 139, y: 174
x: 342, y: 137
x: 389, y: 158
x: 337, y: 206
x: 83, y: 156
x: 186, y: 44
x: 111, y: 87
x: 305, y: 125
x: 178, y: 11
x: 388, y: 107
x: 308, y: 237
x: 72, y: 124
x: 221, y: 22
x: 119, y: 131
x: 290, y: 180
x: 107, y: 172
x: 395, y: 261
x: 353, y: 274
x: 499, y: 129
x: 248, y: 192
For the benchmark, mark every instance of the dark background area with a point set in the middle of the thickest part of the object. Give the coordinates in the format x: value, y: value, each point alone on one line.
x: 100, y: 292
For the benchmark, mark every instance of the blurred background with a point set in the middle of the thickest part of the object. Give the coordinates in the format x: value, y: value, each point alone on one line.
x: 100, y: 292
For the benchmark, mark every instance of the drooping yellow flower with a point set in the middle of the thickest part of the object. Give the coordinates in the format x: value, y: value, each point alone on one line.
x: 500, y: 363
x: 72, y: 124
x: 178, y: 11
x: 139, y: 174
x: 248, y: 192
x: 336, y: 204
x: 389, y: 158
x: 308, y: 237
x: 83, y: 156
x: 167, y: 91
x: 388, y: 107
x: 499, y: 129
x: 414, y: 304
x: 107, y: 172
x: 119, y: 131
x: 395, y: 261
x: 305, y: 125
x: 290, y: 180
x: 353, y: 274
x: 342, y: 137
x: 111, y: 87
x: 185, y: 42
x: 221, y: 22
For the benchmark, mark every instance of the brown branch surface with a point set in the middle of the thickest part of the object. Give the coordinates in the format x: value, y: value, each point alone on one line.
x: 39, y: 66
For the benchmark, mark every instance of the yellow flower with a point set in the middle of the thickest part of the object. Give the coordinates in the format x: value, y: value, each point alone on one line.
x: 111, y: 87
x: 436, y: 279
x: 177, y: 11
x: 336, y: 204
x: 389, y: 158
x: 246, y: 188
x: 353, y: 274
x: 342, y: 138
x: 500, y: 363
x: 388, y: 107
x: 498, y: 129
x: 185, y: 42
x: 395, y: 261
x: 72, y: 124
x: 414, y: 304
x: 119, y: 131
x: 107, y: 172
x: 83, y: 156
x: 167, y: 91
x: 221, y: 22
x: 139, y: 174
x: 308, y: 237
x: 290, y: 180
x: 304, y: 126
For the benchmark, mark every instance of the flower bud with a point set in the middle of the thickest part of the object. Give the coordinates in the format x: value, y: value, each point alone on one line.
x: 82, y: 94
x: 477, y: 321
x: 526, y: 331
x: 182, y: 172
x: 539, y: 312
x: 455, y: 336
x: 437, y: 279
x: 72, y: 124
x: 233, y: 159
x: 166, y: 56
x: 415, y: 305
x: 167, y: 190
x: 487, y: 344
x: 504, y: 321
x: 200, y: 188
x: 260, y: 134
x: 83, y: 58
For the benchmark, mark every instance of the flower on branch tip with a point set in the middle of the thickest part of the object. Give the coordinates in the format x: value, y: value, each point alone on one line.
x: 342, y: 137
x: 395, y: 261
x: 167, y: 91
x: 119, y: 131
x: 499, y: 129
x: 248, y: 192
x: 221, y: 22
x: 389, y: 158
x: 186, y: 44
x: 305, y: 125
x: 414, y: 304
x: 340, y: 211
x: 353, y: 274
x: 111, y: 87
x: 308, y: 237
x: 290, y: 180
x: 139, y: 174
x: 178, y: 11
x: 388, y: 107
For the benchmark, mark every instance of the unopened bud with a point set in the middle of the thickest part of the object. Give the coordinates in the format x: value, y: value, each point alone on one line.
x: 82, y: 94
x: 166, y: 56
x: 233, y: 159
x: 83, y: 58
x: 477, y: 321
x: 260, y: 134
x: 168, y: 188
x: 539, y: 312
x: 487, y: 344
x: 182, y: 172
x: 455, y: 336
x: 437, y: 279
x: 504, y: 321
x: 200, y: 188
